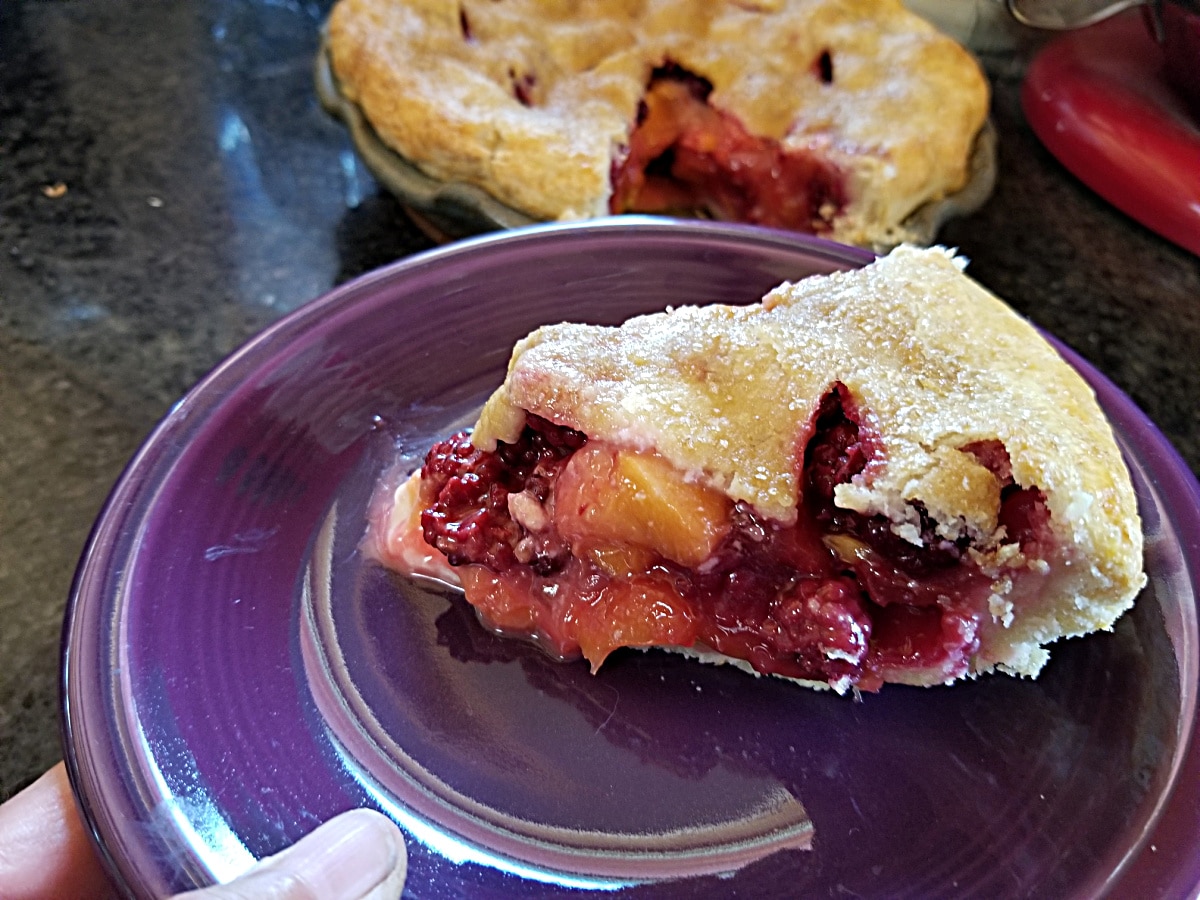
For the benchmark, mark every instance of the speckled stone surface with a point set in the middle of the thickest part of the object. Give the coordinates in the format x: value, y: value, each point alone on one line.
x: 169, y: 186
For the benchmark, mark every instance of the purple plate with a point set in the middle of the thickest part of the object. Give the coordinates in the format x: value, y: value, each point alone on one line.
x: 235, y: 672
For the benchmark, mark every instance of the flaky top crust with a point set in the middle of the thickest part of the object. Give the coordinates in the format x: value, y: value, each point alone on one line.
x: 442, y: 83
x: 933, y: 363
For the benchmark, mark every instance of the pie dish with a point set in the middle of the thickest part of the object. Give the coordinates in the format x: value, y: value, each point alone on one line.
x: 211, y: 717
x: 845, y: 122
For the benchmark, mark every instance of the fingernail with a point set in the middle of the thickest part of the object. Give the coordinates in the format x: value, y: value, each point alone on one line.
x: 347, y: 857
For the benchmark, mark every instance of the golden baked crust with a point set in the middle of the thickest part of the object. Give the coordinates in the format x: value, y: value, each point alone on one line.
x: 533, y: 100
x: 933, y: 364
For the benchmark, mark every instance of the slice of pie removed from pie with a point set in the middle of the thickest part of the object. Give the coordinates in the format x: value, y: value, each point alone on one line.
x: 882, y: 475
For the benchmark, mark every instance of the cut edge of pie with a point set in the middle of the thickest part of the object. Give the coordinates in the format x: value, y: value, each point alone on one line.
x: 882, y: 475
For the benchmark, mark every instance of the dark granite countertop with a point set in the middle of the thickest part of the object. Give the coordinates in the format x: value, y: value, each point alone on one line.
x: 169, y: 186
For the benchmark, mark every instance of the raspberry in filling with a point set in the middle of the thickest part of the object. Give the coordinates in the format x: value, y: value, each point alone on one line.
x: 685, y: 156
x: 586, y: 547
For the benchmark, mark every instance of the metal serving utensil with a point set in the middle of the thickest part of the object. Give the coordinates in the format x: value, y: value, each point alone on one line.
x: 1061, y: 15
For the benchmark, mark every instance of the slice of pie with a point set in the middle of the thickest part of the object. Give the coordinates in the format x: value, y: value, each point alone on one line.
x: 825, y: 116
x: 882, y: 475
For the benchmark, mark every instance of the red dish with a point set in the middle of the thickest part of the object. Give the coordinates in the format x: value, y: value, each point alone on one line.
x: 1099, y: 100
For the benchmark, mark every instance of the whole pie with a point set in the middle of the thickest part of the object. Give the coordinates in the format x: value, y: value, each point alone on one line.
x: 834, y: 117
x: 882, y: 475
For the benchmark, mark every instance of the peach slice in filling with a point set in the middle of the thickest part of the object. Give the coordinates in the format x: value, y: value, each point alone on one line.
x: 608, y: 499
x: 686, y: 156
x: 587, y: 547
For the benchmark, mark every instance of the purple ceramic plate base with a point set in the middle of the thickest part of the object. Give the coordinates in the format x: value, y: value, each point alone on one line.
x: 236, y: 672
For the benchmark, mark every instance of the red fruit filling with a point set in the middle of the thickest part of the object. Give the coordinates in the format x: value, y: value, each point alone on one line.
x: 577, y: 546
x: 685, y: 156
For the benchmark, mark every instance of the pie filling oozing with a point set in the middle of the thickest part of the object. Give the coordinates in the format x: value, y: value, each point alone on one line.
x: 587, y: 548
x: 685, y: 156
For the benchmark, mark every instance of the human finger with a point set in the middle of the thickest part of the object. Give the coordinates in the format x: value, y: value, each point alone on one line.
x: 45, y: 851
x: 358, y: 855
